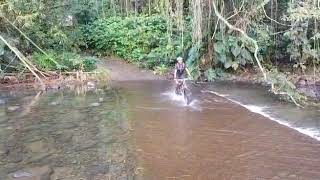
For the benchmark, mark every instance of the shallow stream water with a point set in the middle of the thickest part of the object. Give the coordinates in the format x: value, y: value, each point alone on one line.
x: 142, y: 130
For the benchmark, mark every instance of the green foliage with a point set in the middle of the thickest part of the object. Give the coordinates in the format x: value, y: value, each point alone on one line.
x: 283, y: 85
x: 161, y: 69
x: 45, y: 62
x: 140, y: 39
x: 232, y: 51
x: 90, y: 63
x: 50, y: 24
x: 193, y: 60
x: 303, y: 35
x: 66, y: 61
x: 213, y: 74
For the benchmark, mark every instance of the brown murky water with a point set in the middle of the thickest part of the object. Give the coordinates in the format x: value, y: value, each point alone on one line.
x: 140, y: 130
x: 214, y: 139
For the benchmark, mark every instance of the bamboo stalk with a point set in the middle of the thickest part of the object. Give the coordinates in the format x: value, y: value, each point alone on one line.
x: 25, y: 36
x: 22, y: 58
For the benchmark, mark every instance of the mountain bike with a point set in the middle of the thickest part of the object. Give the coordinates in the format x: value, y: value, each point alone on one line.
x: 182, y: 89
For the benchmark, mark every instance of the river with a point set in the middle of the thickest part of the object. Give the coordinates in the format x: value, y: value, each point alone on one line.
x: 141, y: 130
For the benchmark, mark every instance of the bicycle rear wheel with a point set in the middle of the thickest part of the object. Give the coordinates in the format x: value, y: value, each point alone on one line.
x: 186, y: 96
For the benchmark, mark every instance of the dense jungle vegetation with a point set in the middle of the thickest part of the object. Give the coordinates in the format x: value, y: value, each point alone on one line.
x: 278, y: 38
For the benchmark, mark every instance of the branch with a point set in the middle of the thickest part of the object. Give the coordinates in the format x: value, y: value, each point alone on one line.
x: 33, y: 43
x: 273, y: 89
x: 22, y: 58
x: 244, y: 34
x: 265, y: 13
x: 254, y: 42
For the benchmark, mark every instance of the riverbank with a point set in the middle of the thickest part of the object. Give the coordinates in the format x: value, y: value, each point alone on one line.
x: 307, y: 87
x: 123, y: 71
x: 116, y: 69
x: 109, y: 69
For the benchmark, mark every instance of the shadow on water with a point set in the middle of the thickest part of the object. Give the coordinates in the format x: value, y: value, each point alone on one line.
x: 142, y: 130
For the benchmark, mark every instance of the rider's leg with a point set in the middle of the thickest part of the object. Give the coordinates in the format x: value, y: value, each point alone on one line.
x: 178, y: 87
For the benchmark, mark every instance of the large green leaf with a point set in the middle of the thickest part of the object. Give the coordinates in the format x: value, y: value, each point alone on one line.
x: 222, y: 58
x: 246, y: 54
x: 219, y: 47
x: 242, y: 61
x: 218, y: 36
x: 236, y: 50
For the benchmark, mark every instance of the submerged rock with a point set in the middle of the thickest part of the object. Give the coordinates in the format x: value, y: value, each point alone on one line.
x: 3, y: 150
x: 95, y: 104
x: 2, y: 101
x: 53, y: 103
x: 13, y: 108
x: 38, y: 147
x: 20, y: 174
x: 91, y: 85
x: 63, y: 173
x: 97, y: 171
x: 36, y: 173
x: 85, y: 146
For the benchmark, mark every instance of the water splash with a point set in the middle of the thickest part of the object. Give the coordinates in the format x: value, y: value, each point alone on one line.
x: 179, y: 99
x: 173, y: 96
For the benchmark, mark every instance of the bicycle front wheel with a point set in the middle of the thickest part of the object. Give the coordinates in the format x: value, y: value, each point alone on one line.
x: 186, y: 96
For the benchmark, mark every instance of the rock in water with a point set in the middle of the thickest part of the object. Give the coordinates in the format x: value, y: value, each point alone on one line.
x: 36, y: 173
x: 91, y: 85
x: 20, y: 174
x: 13, y: 108
x: 53, y: 103
x: 94, y: 104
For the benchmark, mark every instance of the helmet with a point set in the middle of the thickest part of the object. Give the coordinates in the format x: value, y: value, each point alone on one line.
x: 179, y: 58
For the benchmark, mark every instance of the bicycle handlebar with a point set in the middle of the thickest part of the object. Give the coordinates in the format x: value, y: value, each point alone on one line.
x: 184, y: 79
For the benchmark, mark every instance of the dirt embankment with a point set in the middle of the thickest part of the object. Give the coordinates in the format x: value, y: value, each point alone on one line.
x: 119, y: 71
x: 122, y: 71
x: 308, y: 85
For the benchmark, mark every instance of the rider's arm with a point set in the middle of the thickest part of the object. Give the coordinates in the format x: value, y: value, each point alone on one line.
x: 175, y: 73
x: 188, y: 72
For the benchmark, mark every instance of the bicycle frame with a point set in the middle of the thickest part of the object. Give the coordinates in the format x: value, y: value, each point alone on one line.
x: 182, y: 89
x: 182, y: 84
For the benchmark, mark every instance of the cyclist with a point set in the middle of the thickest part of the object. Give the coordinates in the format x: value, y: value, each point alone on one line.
x: 179, y: 73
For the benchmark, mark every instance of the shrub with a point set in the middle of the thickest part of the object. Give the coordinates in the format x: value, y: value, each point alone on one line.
x: 142, y: 39
x: 65, y: 61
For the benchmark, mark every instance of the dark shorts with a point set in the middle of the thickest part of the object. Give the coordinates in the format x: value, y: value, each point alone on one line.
x: 180, y: 75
